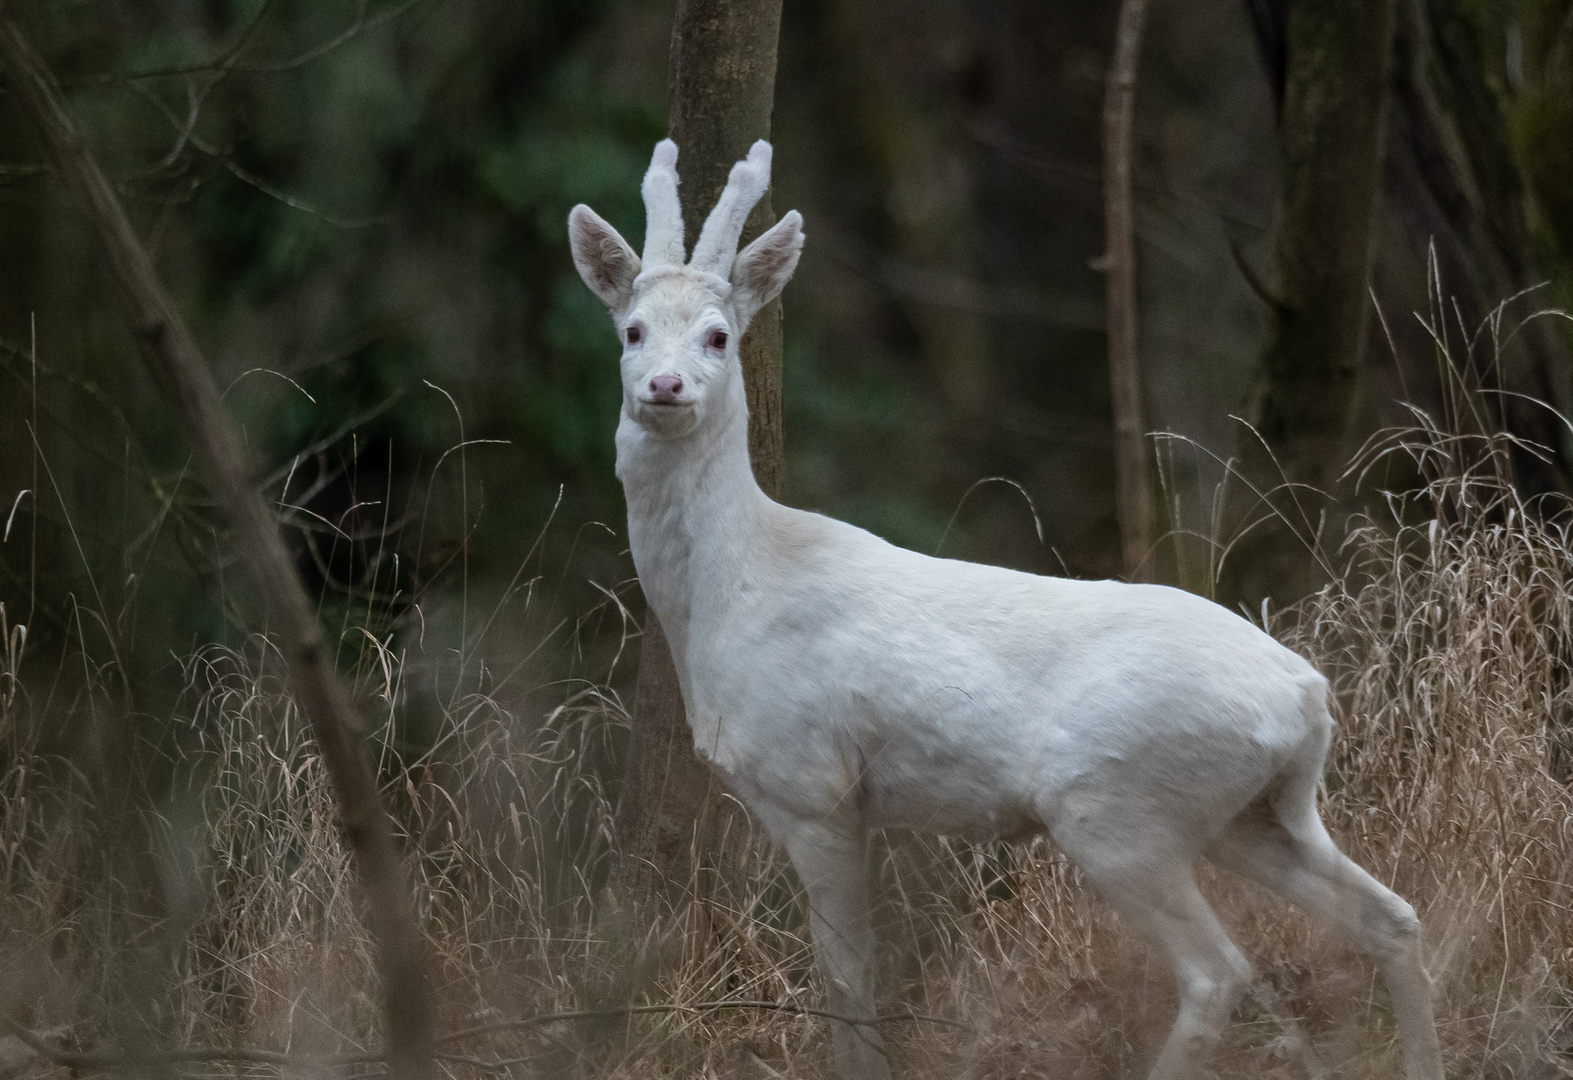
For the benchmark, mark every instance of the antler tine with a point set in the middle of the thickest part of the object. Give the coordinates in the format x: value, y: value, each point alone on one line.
x: 663, y: 231
x: 717, y: 245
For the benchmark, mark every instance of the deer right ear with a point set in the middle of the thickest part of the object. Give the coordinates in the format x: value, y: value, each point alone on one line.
x: 603, y: 258
x: 764, y: 267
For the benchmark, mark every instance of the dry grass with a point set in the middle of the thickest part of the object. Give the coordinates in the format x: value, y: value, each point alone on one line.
x: 1447, y: 636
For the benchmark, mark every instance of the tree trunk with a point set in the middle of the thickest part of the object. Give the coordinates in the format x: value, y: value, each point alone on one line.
x: 1330, y: 147
x: 1132, y: 481
x: 1331, y: 141
x: 723, y: 79
x: 722, y: 74
x: 1478, y: 144
x: 177, y: 365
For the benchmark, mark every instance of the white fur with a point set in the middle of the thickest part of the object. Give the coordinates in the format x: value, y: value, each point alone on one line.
x: 745, y: 186
x: 663, y: 236
x: 842, y: 685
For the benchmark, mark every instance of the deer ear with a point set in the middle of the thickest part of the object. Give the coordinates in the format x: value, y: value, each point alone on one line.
x: 764, y: 267
x: 603, y: 258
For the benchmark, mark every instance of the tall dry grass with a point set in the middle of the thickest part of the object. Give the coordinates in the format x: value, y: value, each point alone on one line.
x: 1446, y: 633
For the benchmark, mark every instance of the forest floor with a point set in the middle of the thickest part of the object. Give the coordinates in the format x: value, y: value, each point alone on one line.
x: 222, y: 920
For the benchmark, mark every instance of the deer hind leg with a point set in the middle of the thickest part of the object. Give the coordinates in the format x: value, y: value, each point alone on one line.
x: 1151, y: 883
x: 1279, y: 841
x: 832, y: 864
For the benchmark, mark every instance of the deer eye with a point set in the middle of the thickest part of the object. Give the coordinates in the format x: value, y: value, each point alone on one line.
x: 717, y: 340
x: 634, y: 335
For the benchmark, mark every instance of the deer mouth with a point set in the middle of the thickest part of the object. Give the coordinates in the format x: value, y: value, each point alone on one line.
x: 665, y: 418
x: 662, y: 399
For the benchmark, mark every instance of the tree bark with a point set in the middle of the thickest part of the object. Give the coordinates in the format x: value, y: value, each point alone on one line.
x: 1480, y: 143
x: 1330, y: 147
x: 722, y: 76
x: 177, y: 365
x: 1132, y: 480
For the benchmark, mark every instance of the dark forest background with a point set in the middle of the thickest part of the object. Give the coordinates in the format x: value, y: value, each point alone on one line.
x: 1348, y: 214
x: 360, y: 208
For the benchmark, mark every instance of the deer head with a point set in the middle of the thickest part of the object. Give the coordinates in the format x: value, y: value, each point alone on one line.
x: 680, y: 321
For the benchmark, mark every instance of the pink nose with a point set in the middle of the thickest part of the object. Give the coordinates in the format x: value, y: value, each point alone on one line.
x: 665, y: 388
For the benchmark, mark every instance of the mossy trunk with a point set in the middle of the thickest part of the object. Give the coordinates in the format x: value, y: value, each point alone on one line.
x: 671, y: 816
x: 1330, y: 148
x: 1335, y: 58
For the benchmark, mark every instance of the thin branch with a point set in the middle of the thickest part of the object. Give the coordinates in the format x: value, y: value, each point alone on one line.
x: 1133, y: 485
x: 1263, y: 291
x: 171, y: 354
x: 361, y: 25
x: 195, y: 97
x: 698, y: 1008
x: 128, y: 1062
x: 942, y: 288
x: 1082, y: 182
x: 245, y: 176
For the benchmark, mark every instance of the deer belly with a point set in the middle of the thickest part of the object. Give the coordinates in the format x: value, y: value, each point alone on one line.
x: 820, y: 766
x: 951, y: 794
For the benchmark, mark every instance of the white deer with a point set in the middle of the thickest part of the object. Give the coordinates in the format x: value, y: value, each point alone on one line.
x: 841, y: 685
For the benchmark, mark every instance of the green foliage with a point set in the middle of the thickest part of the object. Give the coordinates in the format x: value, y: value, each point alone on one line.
x: 366, y: 199
x: 372, y: 198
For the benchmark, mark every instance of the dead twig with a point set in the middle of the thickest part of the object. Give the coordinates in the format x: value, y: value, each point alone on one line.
x: 127, y: 1062
x: 1132, y: 483
x: 178, y: 366
x: 229, y: 61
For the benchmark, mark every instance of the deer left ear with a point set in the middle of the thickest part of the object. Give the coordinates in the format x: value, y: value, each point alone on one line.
x: 603, y: 258
x: 763, y: 268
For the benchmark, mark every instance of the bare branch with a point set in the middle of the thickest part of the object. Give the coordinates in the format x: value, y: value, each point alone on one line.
x: 1132, y: 484
x: 186, y: 129
x: 178, y: 366
x: 229, y: 61
x: 128, y: 1062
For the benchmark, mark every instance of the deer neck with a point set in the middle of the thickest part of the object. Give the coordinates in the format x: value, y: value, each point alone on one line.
x: 693, y: 512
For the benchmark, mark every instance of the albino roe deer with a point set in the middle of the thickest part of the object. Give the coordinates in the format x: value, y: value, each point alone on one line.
x: 842, y: 685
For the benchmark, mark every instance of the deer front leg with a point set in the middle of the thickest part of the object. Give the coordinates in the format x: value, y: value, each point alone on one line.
x: 831, y: 861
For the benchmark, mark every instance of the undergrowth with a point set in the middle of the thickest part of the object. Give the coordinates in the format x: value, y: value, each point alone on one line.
x: 1447, y: 634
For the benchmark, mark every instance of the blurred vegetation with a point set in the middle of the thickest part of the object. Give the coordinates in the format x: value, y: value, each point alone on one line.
x: 365, y: 198
x: 366, y: 201
x: 360, y: 206
x: 231, y: 925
